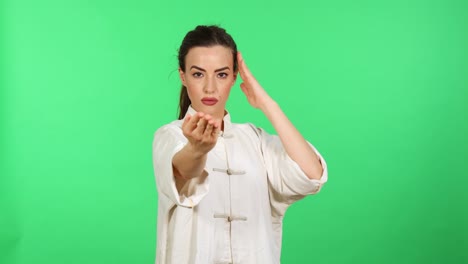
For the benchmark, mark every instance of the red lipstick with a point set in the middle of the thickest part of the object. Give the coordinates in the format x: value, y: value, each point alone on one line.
x: 209, y: 100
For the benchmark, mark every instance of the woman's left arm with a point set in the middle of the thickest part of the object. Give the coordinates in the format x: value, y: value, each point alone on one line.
x: 294, y: 143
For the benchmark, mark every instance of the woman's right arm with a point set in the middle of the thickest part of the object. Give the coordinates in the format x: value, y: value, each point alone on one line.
x: 201, y: 131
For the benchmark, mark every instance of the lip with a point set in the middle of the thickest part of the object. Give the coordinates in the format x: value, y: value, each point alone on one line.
x: 209, y: 100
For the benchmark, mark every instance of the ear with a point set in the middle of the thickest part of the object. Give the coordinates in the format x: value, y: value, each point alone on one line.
x: 182, y: 77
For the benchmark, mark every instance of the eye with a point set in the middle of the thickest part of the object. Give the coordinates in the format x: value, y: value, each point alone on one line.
x: 197, y: 74
x: 222, y: 75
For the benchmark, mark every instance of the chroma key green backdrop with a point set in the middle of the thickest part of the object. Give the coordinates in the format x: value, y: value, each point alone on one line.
x: 379, y: 87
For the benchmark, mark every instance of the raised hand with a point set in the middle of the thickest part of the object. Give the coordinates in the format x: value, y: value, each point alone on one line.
x: 294, y: 143
x: 254, y: 92
x: 201, y: 130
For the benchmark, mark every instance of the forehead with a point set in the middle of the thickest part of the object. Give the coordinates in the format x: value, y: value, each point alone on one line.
x: 209, y: 57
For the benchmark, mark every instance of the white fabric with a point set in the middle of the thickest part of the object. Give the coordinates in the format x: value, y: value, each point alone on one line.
x: 193, y: 225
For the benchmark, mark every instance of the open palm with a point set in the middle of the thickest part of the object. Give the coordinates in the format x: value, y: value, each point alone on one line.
x: 254, y: 92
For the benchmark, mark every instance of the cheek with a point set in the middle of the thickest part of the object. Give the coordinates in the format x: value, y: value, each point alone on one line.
x: 191, y: 91
x: 192, y: 86
x: 189, y: 82
x: 226, y: 89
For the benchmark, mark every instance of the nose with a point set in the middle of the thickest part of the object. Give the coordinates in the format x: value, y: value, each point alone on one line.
x: 210, y: 86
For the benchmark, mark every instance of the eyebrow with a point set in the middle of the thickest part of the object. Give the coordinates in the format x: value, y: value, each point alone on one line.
x: 217, y: 70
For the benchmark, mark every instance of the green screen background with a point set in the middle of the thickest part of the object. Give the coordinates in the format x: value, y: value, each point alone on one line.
x: 379, y: 87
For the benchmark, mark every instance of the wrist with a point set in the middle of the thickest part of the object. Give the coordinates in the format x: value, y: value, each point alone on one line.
x: 267, y: 105
x: 194, y: 151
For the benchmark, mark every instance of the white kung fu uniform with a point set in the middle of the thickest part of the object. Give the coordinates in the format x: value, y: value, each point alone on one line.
x: 233, y: 215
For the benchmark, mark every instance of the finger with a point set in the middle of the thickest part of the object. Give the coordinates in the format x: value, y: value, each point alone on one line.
x: 209, y: 129
x: 186, y: 120
x: 194, y: 120
x: 243, y: 69
x: 216, y: 129
x: 201, y: 126
x: 207, y: 117
x: 244, y: 89
x: 241, y: 64
x: 239, y: 57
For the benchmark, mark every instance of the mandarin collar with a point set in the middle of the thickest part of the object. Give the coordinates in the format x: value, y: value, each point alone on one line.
x: 226, y: 118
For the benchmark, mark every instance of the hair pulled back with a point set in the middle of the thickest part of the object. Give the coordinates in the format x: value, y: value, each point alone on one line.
x: 202, y: 36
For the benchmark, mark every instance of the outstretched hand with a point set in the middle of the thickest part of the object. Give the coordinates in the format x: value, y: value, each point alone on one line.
x: 254, y: 92
x: 202, y: 131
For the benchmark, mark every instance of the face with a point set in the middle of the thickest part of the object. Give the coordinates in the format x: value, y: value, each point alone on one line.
x: 209, y: 76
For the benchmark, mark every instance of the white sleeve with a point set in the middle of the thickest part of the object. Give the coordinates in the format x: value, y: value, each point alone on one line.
x: 288, y: 183
x: 168, y: 140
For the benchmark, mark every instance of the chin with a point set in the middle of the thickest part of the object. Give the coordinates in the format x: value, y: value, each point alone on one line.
x: 211, y: 110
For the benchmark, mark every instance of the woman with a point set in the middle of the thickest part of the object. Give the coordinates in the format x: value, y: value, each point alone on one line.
x: 224, y: 187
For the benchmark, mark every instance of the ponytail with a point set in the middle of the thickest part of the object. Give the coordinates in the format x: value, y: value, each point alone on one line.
x: 184, y: 102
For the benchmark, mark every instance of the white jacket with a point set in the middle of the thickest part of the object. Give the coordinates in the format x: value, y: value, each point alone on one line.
x: 234, y: 215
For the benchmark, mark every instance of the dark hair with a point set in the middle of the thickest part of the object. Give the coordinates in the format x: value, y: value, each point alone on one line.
x: 202, y: 36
